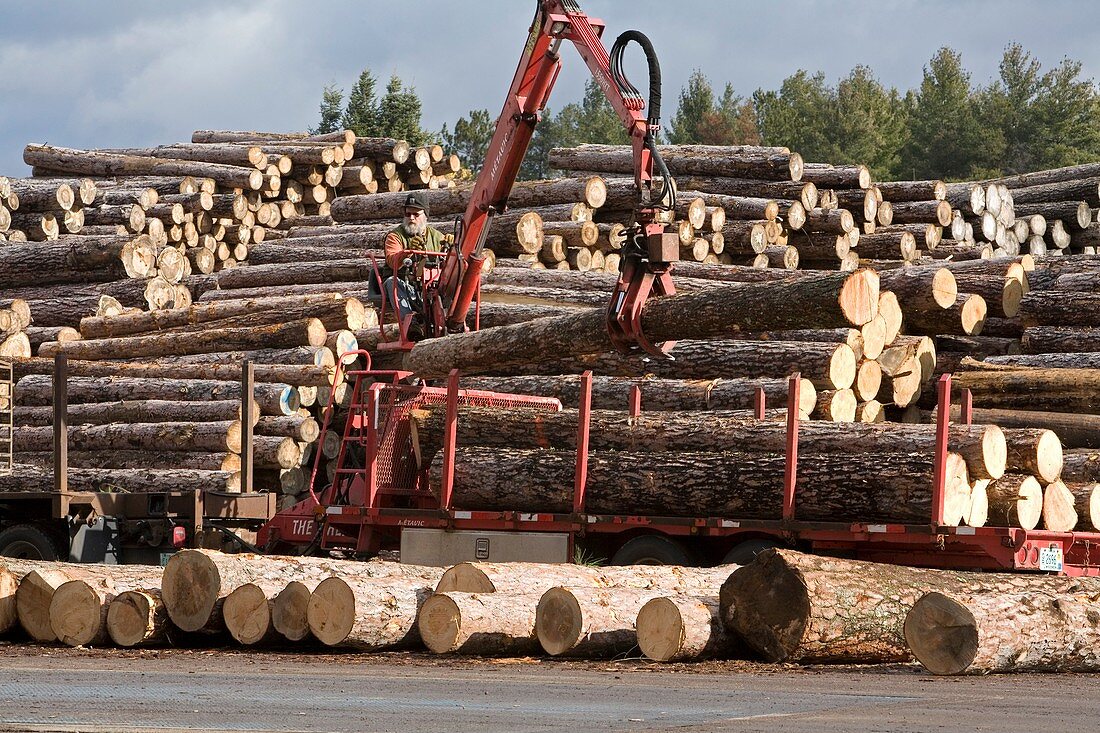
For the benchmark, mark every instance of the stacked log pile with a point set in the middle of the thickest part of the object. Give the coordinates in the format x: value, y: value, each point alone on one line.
x: 163, y: 389
x: 116, y: 229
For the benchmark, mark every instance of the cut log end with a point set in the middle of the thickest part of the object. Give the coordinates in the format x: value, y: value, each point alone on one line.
x: 859, y: 296
x: 131, y: 618
x: 945, y: 290
x: 775, y: 624
x: 76, y: 613
x: 288, y: 613
x: 190, y: 589
x: 942, y: 634
x: 559, y: 621
x: 660, y: 629
x: 331, y: 611
x: 440, y: 623
x: 247, y: 614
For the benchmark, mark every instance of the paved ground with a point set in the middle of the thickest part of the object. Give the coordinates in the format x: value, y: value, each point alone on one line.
x: 52, y: 689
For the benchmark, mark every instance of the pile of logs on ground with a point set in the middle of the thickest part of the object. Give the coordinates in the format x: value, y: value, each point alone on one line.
x: 782, y: 607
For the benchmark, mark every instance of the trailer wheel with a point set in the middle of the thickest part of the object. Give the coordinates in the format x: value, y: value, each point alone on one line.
x: 652, y: 549
x: 28, y: 542
x: 745, y: 552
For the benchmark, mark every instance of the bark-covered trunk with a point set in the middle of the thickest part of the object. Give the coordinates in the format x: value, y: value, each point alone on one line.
x: 828, y: 301
x: 982, y: 447
x: 985, y: 627
x: 804, y: 608
x: 869, y: 487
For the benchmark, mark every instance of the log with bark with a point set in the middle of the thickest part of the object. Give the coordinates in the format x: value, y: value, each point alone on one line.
x: 803, y: 608
x: 983, y: 448
x: 137, y: 411
x: 746, y: 161
x: 868, y: 487
x: 332, y: 309
x: 85, y: 162
x: 273, y: 398
x: 301, y: 332
x: 369, y: 613
x: 536, y: 578
x: 133, y: 480
x: 827, y: 301
x: 984, y: 627
x: 309, y: 365
x: 589, y: 622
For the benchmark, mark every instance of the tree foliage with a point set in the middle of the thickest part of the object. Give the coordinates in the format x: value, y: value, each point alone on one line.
x: 1026, y: 119
x: 704, y: 119
x: 331, y: 101
x: 470, y: 139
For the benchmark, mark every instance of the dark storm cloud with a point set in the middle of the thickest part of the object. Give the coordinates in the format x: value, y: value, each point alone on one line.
x: 88, y: 74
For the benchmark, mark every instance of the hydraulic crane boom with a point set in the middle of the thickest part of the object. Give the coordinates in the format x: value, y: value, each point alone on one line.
x: 650, y: 249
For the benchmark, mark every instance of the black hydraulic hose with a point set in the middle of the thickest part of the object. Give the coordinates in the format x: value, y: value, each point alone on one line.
x: 668, y: 192
x: 654, y: 70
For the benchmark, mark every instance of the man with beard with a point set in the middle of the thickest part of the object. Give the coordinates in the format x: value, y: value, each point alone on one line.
x: 413, y: 233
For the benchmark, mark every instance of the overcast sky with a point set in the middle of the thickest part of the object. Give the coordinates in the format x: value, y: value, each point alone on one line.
x: 106, y: 73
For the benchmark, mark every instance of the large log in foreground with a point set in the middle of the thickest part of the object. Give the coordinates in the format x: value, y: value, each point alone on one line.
x: 825, y: 301
x: 987, y: 628
x: 886, y: 487
x: 803, y: 608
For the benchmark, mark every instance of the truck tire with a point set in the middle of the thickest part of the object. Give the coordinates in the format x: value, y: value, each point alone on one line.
x: 745, y: 552
x: 652, y: 549
x: 28, y: 542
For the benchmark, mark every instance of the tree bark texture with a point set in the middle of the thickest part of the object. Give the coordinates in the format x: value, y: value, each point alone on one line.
x: 869, y: 487
x: 829, y: 301
x: 803, y: 608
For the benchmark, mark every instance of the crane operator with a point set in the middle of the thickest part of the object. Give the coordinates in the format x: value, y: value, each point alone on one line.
x: 414, y: 233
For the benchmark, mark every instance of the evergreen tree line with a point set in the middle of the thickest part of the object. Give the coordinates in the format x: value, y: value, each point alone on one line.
x: 1026, y: 119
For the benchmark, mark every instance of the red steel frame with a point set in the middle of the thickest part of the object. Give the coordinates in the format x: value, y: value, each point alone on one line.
x: 361, y: 517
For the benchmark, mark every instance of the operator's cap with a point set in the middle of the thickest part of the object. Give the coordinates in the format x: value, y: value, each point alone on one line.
x: 417, y: 200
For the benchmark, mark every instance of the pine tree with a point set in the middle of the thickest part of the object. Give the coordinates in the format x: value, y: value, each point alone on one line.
x: 731, y: 122
x: 696, y: 105
x: 797, y: 116
x: 399, y: 114
x: 1066, y: 108
x: 946, y: 137
x: 362, y: 114
x: 1007, y: 110
x: 869, y: 124
x: 331, y: 101
x: 471, y: 138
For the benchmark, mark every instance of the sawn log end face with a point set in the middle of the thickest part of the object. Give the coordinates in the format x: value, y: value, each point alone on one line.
x: 768, y: 605
x: 439, y: 623
x: 465, y: 578
x: 558, y: 621
x: 331, y: 611
x: 190, y: 589
x: 129, y: 618
x: 75, y: 613
x: 942, y: 634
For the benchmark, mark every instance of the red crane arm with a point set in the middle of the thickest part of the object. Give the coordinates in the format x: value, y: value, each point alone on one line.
x: 555, y: 21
